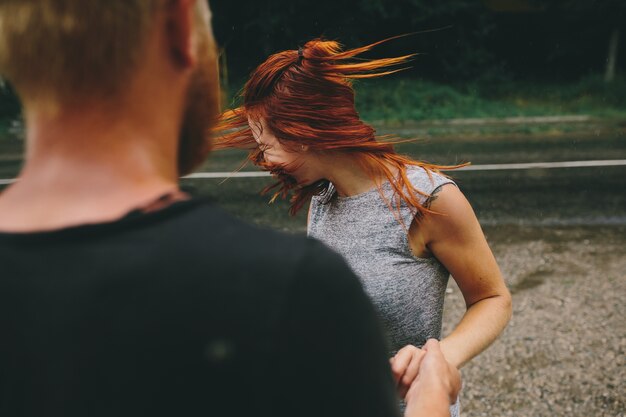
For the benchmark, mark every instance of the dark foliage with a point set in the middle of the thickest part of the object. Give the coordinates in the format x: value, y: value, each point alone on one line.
x: 460, y: 41
x: 545, y: 40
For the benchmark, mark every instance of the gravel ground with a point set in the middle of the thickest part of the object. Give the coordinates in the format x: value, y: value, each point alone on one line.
x: 563, y: 351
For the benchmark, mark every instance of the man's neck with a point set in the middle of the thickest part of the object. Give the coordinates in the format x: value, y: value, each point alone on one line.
x: 89, y: 165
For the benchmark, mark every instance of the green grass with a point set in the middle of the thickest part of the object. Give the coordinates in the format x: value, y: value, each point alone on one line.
x: 395, y: 103
x: 397, y: 99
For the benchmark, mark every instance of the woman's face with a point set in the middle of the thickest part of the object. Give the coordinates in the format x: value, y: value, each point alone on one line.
x: 298, y: 164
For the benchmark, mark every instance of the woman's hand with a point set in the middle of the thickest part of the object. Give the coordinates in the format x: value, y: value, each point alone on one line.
x: 435, y: 370
x: 405, y: 367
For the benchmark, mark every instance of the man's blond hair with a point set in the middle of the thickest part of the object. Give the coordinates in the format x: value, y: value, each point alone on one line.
x: 62, y: 49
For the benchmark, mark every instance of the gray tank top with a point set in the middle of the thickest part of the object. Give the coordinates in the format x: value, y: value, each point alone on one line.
x: 407, y: 291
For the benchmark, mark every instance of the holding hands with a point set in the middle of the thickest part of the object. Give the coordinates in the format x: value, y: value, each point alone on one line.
x: 405, y: 367
x: 426, y: 381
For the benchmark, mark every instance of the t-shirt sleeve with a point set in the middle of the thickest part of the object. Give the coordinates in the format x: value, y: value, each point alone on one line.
x: 336, y: 360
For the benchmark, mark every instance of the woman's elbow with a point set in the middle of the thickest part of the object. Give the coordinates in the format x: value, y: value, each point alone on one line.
x: 507, y: 304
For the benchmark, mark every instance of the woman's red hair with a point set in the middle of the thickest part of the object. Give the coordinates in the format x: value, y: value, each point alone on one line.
x: 306, y: 98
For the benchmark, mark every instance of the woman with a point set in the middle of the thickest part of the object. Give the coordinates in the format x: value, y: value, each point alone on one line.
x: 401, y: 225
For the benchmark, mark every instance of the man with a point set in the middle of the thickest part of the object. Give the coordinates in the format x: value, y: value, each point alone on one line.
x: 122, y: 296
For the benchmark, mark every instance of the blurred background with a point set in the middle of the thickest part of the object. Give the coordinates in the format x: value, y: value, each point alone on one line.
x: 478, y: 58
x: 489, y: 58
x: 533, y: 94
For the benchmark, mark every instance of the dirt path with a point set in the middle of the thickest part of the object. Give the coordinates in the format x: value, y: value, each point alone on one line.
x: 564, y: 352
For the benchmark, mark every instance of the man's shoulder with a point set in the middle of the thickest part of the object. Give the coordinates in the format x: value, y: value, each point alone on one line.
x: 265, y: 267
x: 229, y: 241
x: 210, y: 223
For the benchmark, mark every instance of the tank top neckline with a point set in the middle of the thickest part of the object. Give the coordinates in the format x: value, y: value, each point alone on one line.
x: 385, y: 185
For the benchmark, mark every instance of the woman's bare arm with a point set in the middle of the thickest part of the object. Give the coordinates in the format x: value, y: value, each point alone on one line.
x: 455, y: 237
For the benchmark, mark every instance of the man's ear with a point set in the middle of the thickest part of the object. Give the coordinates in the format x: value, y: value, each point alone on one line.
x: 180, y: 31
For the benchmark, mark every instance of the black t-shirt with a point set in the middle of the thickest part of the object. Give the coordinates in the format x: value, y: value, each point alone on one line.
x: 185, y: 312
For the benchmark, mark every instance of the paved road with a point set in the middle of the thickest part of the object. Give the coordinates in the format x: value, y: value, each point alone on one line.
x: 566, y: 196
x: 595, y: 195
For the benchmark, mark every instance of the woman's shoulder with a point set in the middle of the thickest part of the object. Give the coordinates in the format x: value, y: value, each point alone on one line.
x: 426, y: 180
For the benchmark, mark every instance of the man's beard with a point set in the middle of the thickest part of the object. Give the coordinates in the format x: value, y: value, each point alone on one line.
x: 201, y: 112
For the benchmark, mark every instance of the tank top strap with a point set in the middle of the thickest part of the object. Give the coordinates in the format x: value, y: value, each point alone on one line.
x: 426, y: 183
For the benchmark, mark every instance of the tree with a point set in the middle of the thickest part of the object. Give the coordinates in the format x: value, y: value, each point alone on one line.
x: 251, y: 30
x: 608, y: 16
